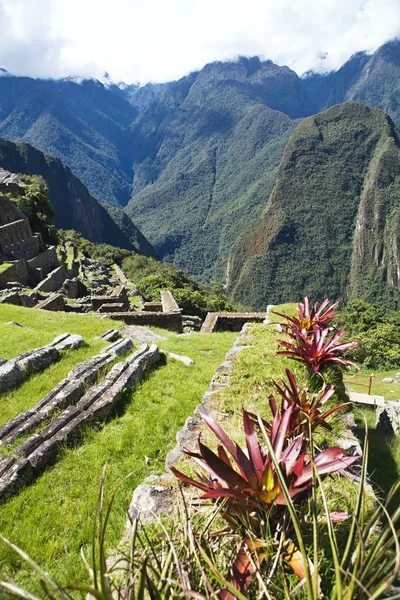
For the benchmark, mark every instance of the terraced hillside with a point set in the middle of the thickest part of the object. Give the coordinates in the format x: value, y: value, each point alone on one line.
x: 52, y: 517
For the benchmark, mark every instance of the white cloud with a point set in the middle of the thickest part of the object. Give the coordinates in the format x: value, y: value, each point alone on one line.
x: 161, y: 40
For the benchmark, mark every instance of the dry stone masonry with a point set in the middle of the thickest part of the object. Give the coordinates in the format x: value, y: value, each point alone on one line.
x: 78, y: 408
x: 230, y: 321
x: 17, y: 370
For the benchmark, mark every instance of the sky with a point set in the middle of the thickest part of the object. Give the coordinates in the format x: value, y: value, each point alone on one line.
x: 162, y: 40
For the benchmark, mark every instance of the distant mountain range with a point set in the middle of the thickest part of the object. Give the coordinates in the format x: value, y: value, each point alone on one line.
x: 194, y: 162
x: 75, y: 208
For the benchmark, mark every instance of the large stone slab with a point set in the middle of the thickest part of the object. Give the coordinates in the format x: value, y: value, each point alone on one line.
x: 11, y: 376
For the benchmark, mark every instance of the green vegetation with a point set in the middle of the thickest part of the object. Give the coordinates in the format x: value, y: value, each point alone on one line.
x: 5, y: 267
x: 377, y: 331
x: 273, y: 537
x: 52, y: 518
x: 340, y: 167
x: 103, y: 252
x: 151, y: 276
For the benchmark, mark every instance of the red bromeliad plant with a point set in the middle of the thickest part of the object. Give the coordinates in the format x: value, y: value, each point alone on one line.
x: 250, y: 485
x: 316, y: 350
x: 307, y: 413
x: 319, y: 315
x: 251, y: 482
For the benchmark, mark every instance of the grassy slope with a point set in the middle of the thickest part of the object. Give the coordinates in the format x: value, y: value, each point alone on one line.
x: 52, y: 518
x: 340, y: 167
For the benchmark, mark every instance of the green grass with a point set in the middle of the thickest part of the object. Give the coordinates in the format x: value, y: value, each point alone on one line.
x: 40, y: 327
x: 5, y: 267
x: 52, y: 518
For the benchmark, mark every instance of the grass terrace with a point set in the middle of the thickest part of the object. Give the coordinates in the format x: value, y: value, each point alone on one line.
x: 53, y: 518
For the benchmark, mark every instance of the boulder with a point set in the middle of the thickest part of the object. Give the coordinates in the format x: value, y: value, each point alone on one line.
x: 11, y: 376
x: 151, y: 499
x: 75, y: 288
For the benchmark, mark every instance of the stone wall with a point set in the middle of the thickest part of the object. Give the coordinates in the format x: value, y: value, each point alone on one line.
x: 53, y: 281
x: 9, y: 212
x: 17, y: 241
x: 171, y: 321
x: 42, y: 264
x: 168, y: 302
x: 230, y: 321
x: 119, y: 296
x: 17, y: 272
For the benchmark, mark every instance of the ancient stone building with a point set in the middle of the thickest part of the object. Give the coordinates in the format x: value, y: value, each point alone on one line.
x: 11, y: 183
x: 30, y: 260
x: 16, y: 238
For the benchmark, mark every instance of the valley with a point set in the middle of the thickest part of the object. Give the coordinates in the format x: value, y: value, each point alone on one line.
x: 200, y: 334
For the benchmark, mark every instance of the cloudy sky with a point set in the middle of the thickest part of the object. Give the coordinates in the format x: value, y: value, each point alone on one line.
x: 161, y: 40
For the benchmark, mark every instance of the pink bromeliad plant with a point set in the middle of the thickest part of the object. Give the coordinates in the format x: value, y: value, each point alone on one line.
x: 320, y: 315
x: 267, y: 479
x: 313, y: 342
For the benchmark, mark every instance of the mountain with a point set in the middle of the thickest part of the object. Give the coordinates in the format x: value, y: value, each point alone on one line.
x: 75, y: 208
x: 84, y: 124
x: 332, y: 223
x: 130, y: 231
x: 205, y: 157
x: 192, y: 162
x: 374, y: 80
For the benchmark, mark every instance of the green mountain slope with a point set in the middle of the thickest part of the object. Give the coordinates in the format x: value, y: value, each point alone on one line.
x: 140, y: 244
x: 75, y: 208
x: 373, y: 80
x: 84, y: 124
x: 331, y: 224
x: 206, y: 158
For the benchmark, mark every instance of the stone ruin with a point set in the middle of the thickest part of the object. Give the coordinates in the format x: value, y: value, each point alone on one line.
x: 74, y: 403
x: 225, y: 321
x: 17, y: 370
x: 27, y: 259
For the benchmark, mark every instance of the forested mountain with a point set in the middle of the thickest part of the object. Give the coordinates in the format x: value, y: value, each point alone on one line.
x: 193, y: 162
x: 84, y: 124
x: 75, y: 208
x: 332, y: 223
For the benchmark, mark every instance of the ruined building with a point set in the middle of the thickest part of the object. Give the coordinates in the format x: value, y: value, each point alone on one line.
x: 27, y: 259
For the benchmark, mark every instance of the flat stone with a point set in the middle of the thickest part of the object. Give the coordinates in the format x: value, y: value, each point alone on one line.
x: 151, y: 499
x: 11, y: 376
x: 140, y: 333
x: 183, y: 359
x: 236, y: 350
x: 14, y: 323
x: 389, y: 380
x: 72, y: 342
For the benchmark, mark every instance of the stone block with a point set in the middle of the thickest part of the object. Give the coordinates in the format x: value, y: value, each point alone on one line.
x: 39, y: 360
x: 112, y: 307
x: 11, y: 376
x: 54, y: 303
x: 72, y: 342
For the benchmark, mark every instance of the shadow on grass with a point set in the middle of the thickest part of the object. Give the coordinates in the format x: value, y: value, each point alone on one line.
x: 383, y: 470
